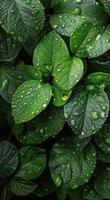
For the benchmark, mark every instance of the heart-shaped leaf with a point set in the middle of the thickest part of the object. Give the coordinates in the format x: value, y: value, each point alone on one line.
x: 29, y: 100
x: 87, y: 110
x: 50, y: 51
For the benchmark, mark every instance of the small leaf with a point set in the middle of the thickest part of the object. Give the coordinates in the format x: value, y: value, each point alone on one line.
x: 8, y: 159
x: 21, y: 18
x: 60, y: 97
x: 32, y: 163
x: 50, y: 51
x: 29, y: 100
x: 67, y: 74
x: 21, y: 187
x: 87, y: 110
x: 69, y: 167
x: 48, y: 124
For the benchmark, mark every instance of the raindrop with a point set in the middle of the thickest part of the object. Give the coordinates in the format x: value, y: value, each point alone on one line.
x: 102, y: 114
x: 94, y: 115
x: 58, y: 180
x: 98, y: 37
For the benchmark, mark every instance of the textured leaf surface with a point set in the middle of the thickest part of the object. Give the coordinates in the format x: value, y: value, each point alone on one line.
x: 98, y: 78
x: 9, y: 49
x: 102, y: 182
x: 67, y: 74
x: 69, y: 167
x: 21, y: 18
x: 60, y: 97
x: 21, y: 187
x: 29, y: 100
x: 102, y: 138
x: 69, y: 15
x: 48, y: 124
x: 49, y: 52
x: 8, y: 159
x: 32, y: 163
x: 9, y: 81
x: 87, y: 111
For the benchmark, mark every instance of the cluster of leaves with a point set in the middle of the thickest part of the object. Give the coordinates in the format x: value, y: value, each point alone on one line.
x: 54, y: 99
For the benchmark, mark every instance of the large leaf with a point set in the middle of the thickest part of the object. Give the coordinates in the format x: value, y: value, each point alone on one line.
x: 87, y: 110
x: 21, y: 18
x: 9, y: 81
x: 68, y: 73
x: 29, y: 100
x: 46, y: 125
x: 32, y: 163
x: 89, y: 40
x: 102, y: 138
x: 49, y: 52
x: 9, y: 49
x: 69, y: 15
x: 102, y: 182
x: 69, y: 167
x: 8, y: 159
x: 21, y: 187
x: 89, y: 193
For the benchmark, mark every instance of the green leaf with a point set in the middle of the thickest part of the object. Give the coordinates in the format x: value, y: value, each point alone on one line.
x: 89, y: 40
x: 9, y: 81
x: 69, y: 167
x: 21, y: 18
x: 67, y: 74
x: 87, y: 110
x: 102, y: 138
x: 98, y: 78
x: 5, y: 193
x: 50, y: 51
x: 69, y: 15
x: 102, y: 182
x: 48, y: 124
x: 9, y: 49
x: 106, y: 4
x: 103, y: 156
x: 32, y: 163
x: 45, y: 186
x: 30, y: 72
x: 60, y: 97
x: 29, y: 100
x: 90, y: 194
x: 8, y: 159
x: 21, y: 187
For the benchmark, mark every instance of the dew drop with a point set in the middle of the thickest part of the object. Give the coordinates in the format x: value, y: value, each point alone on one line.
x: 58, y: 180
x: 94, y: 115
